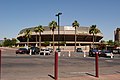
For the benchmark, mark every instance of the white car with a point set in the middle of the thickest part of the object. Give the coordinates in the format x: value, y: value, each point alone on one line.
x: 44, y: 52
x: 106, y: 53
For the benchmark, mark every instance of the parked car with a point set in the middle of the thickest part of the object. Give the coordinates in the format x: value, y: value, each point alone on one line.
x: 22, y: 51
x: 106, y: 53
x: 58, y: 49
x: 79, y: 50
x: 116, y: 51
x: 45, y: 52
x: 92, y: 52
x: 34, y: 50
x: 50, y: 49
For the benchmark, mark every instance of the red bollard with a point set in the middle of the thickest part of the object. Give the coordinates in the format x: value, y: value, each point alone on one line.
x: 56, y: 66
x: 96, y: 66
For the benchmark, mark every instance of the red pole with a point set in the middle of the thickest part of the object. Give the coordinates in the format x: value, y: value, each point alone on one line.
x: 96, y: 66
x: 56, y: 66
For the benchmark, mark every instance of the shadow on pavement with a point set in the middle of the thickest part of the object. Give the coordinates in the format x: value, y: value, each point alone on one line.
x: 90, y: 74
x: 51, y: 76
x: 118, y: 71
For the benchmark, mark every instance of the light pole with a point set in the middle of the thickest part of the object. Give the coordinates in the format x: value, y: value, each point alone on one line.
x: 56, y: 53
x: 58, y: 15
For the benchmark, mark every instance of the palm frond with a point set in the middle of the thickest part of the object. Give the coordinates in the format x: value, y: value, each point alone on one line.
x: 94, y: 30
x: 53, y: 25
x: 75, y: 24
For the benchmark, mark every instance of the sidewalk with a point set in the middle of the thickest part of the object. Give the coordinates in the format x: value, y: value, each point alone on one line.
x: 101, y: 77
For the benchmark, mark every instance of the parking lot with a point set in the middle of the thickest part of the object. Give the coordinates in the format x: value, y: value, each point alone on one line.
x: 40, y: 67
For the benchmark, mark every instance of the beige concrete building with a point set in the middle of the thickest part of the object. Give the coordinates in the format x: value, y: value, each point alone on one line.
x: 67, y: 36
x: 117, y: 35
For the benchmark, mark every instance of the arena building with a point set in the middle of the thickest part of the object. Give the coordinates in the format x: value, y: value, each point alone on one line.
x: 67, y: 36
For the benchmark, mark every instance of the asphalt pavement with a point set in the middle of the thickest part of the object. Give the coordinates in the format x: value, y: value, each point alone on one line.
x: 74, y: 67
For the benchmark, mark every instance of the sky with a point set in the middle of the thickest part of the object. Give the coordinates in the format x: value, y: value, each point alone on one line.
x: 16, y: 15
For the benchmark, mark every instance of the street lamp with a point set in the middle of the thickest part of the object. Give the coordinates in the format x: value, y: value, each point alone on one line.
x: 58, y: 14
x: 56, y: 53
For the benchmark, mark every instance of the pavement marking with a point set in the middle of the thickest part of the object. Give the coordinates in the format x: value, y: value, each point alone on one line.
x: 109, y: 60
x: 78, y: 72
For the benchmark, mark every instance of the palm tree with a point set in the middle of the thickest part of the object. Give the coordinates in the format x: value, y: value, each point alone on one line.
x: 75, y: 24
x: 36, y: 31
x: 93, y: 30
x: 27, y: 35
x: 40, y: 30
x: 52, y: 26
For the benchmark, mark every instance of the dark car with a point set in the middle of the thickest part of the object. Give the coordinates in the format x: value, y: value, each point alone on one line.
x: 22, y: 51
x: 92, y: 52
x: 79, y: 50
x: 116, y: 51
x: 34, y: 50
x: 58, y: 50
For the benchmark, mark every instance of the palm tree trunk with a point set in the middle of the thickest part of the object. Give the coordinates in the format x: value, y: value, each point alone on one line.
x: 40, y: 41
x: 93, y: 40
x: 36, y: 39
x: 53, y: 43
x: 28, y: 41
x: 75, y: 40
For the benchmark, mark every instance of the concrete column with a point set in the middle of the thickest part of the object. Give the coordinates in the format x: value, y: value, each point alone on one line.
x: 36, y: 45
x: 50, y: 44
x: 30, y: 52
x: 18, y: 45
x: 79, y: 44
x: 65, y: 44
x: 84, y: 54
x: 69, y: 54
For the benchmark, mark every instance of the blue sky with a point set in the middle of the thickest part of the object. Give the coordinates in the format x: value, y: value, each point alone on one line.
x: 16, y: 15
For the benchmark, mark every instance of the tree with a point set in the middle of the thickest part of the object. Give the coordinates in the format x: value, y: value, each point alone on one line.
x: 36, y: 31
x: 102, y: 41
x: 46, y: 43
x: 63, y: 43
x: 27, y: 35
x: 40, y: 30
x: 102, y: 45
x: 93, y: 30
x: 52, y: 26
x: 13, y: 41
x: 5, y: 38
x: 116, y: 43
x: 7, y: 42
x: 0, y: 45
x: 75, y: 24
x: 110, y: 43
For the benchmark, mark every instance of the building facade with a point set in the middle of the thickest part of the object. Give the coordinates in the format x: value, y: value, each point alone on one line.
x: 117, y: 35
x: 67, y: 36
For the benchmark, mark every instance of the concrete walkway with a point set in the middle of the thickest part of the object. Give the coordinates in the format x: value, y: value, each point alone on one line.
x: 101, y: 77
